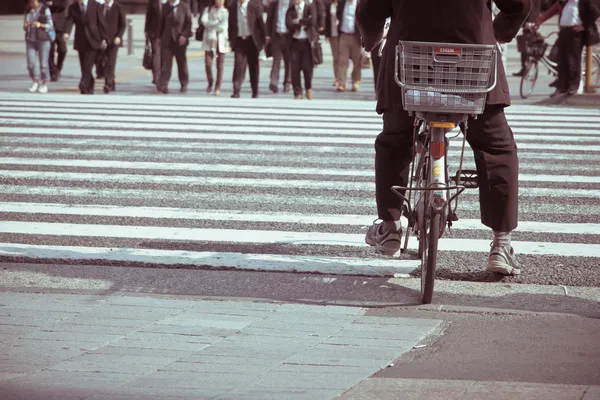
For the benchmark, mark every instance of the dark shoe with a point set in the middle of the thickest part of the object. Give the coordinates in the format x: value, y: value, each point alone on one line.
x: 286, y: 87
x: 183, y: 89
x: 106, y: 89
x: 558, y: 93
x: 113, y: 87
x: 154, y: 81
x: 100, y: 76
x: 273, y: 88
x: 255, y: 95
x: 209, y: 88
x: 162, y: 89
x: 520, y: 73
x: 553, y: 84
x: 386, y: 242
x: 235, y: 96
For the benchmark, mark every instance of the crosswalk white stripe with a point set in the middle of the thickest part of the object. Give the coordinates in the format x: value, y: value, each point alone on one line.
x: 239, y: 261
x: 239, y: 216
x: 284, y: 127
x: 328, y: 140
x: 565, y: 127
x: 250, y: 182
x: 276, y: 237
x: 259, y: 169
x: 97, y: 146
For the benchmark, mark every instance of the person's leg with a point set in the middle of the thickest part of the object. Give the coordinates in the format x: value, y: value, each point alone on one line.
x: 307, y: 68
x: 82, y: 87
x: 356, y: 56
x: 277, y: 46
x: 239, y: 68
x: 287, y: 63
x: 156, y: 61
x: 376, y: 63
x: 31, y: 55
x: 296, y: 68
x: 182, y: 66
x: 166, y: 68
x: 44, y: 55
x: 61, y: 49
x: 89, y: 59
x: 208, y: 62
x: 344, y: 60
x: 220, y: 66
x: 574, y: 58
x: 497, y: 164
x: 564, y: 43
x: 393, y: 155
x: 253, y: 66
x: 334, y: 42
x: 109, y: 72
x: 52, y: 57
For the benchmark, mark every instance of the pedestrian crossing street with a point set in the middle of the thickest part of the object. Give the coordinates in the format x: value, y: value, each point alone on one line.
x: 265, y: 185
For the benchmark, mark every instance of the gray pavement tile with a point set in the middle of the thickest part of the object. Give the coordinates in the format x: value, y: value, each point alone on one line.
x: 367, y: 342
x: 191, y: 380
x: 324, y: 369
x: 42, y: 348
x: 34, y: 318
x: 155, y: 302
x: 15, y: 368
x: 307, y: 380
x: 317, y: 358
x: 96, y: 339
x: 408, y: 322
x: 231, y: 368
x: 99, y: 321
x: 243, y: 359
x: 69, y: 327
x: 130, y: 312
x: 189, y: 330
x: 277, y: 394
x: 164, y: 341
x: 116, y: 364
x: 4, y: 376
x: 48, y: 302
x: 232, y: 306
x: 221, y: 321
x: 372, y: 353
x: 283, y: 333
x: 389, y: 332
x: 139, y: 352
x: 305, y: 308
x: 282, y: 325
x: 156, y: 393
x: 148, y: 396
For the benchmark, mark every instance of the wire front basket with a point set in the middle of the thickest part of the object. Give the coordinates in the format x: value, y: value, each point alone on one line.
x: 445, y: 77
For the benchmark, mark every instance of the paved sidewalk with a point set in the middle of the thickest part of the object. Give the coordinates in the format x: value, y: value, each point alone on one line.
x: 67, y: 346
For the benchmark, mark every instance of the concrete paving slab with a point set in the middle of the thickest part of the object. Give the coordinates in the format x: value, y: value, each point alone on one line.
x: 388, y: 389
x: 307, y: 380
x: 112, y: 363
x: 232, y: 368
x: 129, y: 312
x: 138, y: 352
x: 229, y: 322
x: 249, y: 360
x: 145, y: 340
x: 592, y: 393
x: 192, y: 380
x: 277, y: 394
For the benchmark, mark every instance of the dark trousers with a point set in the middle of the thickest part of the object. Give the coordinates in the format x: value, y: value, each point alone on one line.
x: 301, y: 62
x: 245, y: 55
x: 570, y: 48
x: 156, y: 60
x: 58, y: 52
x: 87, y: 59
x: 111, y: 62
x: 280, y: 47
x: 376, y: 63
x: 100, y: 64
x: 208, y: 62
x: 493, y: 145
x: 179, y: 53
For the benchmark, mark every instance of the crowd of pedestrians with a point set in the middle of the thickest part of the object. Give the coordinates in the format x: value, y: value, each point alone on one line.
x: 287, y: 32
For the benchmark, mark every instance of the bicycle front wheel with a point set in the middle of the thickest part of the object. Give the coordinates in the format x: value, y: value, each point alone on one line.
x: 529, y: 79
x: 429, y: 237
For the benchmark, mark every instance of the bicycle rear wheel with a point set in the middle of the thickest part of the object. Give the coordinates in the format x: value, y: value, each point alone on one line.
x: 430, y: 234
x: 596, y: 70
x: 528, y: 79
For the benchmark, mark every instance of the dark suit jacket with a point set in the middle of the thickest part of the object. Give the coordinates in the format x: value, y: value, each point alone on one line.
x: 328, y: 27
x: 153, y: 18
x: 256, y: 24
x: 89, y: 27
x: 340, y: 14
x: 59, y: 9
x: 308, y: 20
x: 455, y: 21
x: 589, y: 11
x: 272, y: 15
x: 320, y: 7
x: 115, y: 23
x: 176, y: 22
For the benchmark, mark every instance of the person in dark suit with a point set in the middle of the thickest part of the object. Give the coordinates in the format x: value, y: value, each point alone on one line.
x: 279, y: 38
x: 176, y: 29
x: 90, y: 38
x: 58, y: 48
x: 115, y: 22
x: 301, y: 20
x: 247, y: 38
x: 489, y: 136
x: 152, y: 31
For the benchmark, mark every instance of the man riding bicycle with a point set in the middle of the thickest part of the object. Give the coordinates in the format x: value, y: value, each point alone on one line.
x: 490, y: 137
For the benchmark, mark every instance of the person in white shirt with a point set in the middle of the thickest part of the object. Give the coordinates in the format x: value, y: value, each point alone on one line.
x: 279, y: 39
x: 349, y: 45
x: 215, y: 42
x: 301, y: 20
x: 571, y: 40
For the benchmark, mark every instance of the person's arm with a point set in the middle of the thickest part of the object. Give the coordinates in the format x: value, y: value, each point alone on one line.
x: 147, y: 21
x: 291, y: 19
x: 512, y: 15
x: 49, y: 25
x: 122, y: 24
x: 554, y: 9
x: 187, y: 23
x: 370, y: 19
x: 68, y: 23
x: 311, y: 19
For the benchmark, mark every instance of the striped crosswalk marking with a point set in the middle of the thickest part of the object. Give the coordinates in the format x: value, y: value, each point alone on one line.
x: 262, y: 185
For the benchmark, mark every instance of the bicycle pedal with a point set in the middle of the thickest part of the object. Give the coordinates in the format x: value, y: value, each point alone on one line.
x: 467, y: 178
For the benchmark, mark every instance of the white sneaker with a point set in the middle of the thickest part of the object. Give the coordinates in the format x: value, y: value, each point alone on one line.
x: 34, y: 87
x: 43, y: 88
x: 503, y: 261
